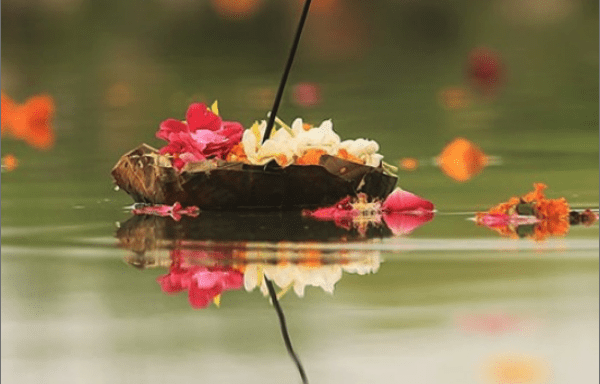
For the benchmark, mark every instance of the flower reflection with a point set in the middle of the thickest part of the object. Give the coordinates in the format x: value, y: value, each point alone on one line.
x: 517, y: 369
x: 298, y: 276
x: 202, y: 283
x: 208, y: 268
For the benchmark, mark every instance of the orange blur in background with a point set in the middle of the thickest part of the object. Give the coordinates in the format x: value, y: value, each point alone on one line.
x: 409, y: 164
x: 30, y: 121
x: 461, y: 160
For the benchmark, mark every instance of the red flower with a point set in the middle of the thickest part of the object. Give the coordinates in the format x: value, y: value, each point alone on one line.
x: 202, y: 135
x: 202, y: 283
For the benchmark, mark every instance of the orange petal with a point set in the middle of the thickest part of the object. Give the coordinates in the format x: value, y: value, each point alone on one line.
x: 461, y: 160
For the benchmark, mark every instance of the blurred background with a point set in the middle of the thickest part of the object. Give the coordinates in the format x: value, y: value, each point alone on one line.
x: 517, y: 78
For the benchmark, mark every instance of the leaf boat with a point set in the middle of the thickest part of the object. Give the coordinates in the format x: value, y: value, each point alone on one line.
x: 215, y: 184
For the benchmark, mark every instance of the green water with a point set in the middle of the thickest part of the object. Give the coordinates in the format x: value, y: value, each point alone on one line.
x: 73, y: 311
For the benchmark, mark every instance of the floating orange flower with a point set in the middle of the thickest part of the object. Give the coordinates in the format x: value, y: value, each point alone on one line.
x: 461, y: 160
x: 31, y: 121
x: 550, y: 216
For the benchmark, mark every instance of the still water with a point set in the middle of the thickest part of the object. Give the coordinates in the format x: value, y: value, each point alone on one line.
x: 83, y: 281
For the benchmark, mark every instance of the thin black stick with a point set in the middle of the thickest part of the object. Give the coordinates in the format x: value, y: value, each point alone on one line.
x: 284, y: 331
x: 286, y: 72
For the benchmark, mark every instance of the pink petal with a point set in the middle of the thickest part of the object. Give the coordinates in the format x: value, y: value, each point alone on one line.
x: 405, y: 223
x: 404, y: 201
x: 199, y: 117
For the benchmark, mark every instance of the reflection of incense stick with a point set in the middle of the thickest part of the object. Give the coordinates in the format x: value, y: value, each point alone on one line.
x: 284, y: 331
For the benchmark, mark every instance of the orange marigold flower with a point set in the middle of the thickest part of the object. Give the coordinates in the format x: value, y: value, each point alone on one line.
x: 536, y: 194
x: 310, y: 157
x: 237, y: 154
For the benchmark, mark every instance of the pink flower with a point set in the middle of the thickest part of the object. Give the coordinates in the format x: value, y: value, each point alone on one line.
x: 202, y: 135
x: 202, y: 283
x: 404, y: 223
x: 403, y: 201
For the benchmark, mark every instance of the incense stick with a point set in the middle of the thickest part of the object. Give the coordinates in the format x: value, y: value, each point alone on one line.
x: 286, y: 72
x: 284, y: 331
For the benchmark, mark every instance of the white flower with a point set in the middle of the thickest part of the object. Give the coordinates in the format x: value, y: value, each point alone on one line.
x: 365, y: 150
x: 280, y: 143
x: 322, y: 137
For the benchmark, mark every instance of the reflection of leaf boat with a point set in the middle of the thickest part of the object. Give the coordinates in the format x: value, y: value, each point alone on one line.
x: 231, y: 226
x: 206, y: 268
x: 220, y: 185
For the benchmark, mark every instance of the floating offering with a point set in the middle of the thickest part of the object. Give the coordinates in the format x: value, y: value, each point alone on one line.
x: 534, y: 216
x: 217, y: 165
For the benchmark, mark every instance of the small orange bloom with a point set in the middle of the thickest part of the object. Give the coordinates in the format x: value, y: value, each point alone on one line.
x: 461, y: 160
x: 237, y: 153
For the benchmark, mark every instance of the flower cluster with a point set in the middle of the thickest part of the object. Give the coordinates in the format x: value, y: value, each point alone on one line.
x: 532, y: 215
x: 202, y: 135
x: 302, y: 144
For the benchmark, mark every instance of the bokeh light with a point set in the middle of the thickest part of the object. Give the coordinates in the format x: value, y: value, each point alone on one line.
x: 517, y: 369
x: 236, y: 9
x: 306, y: 94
